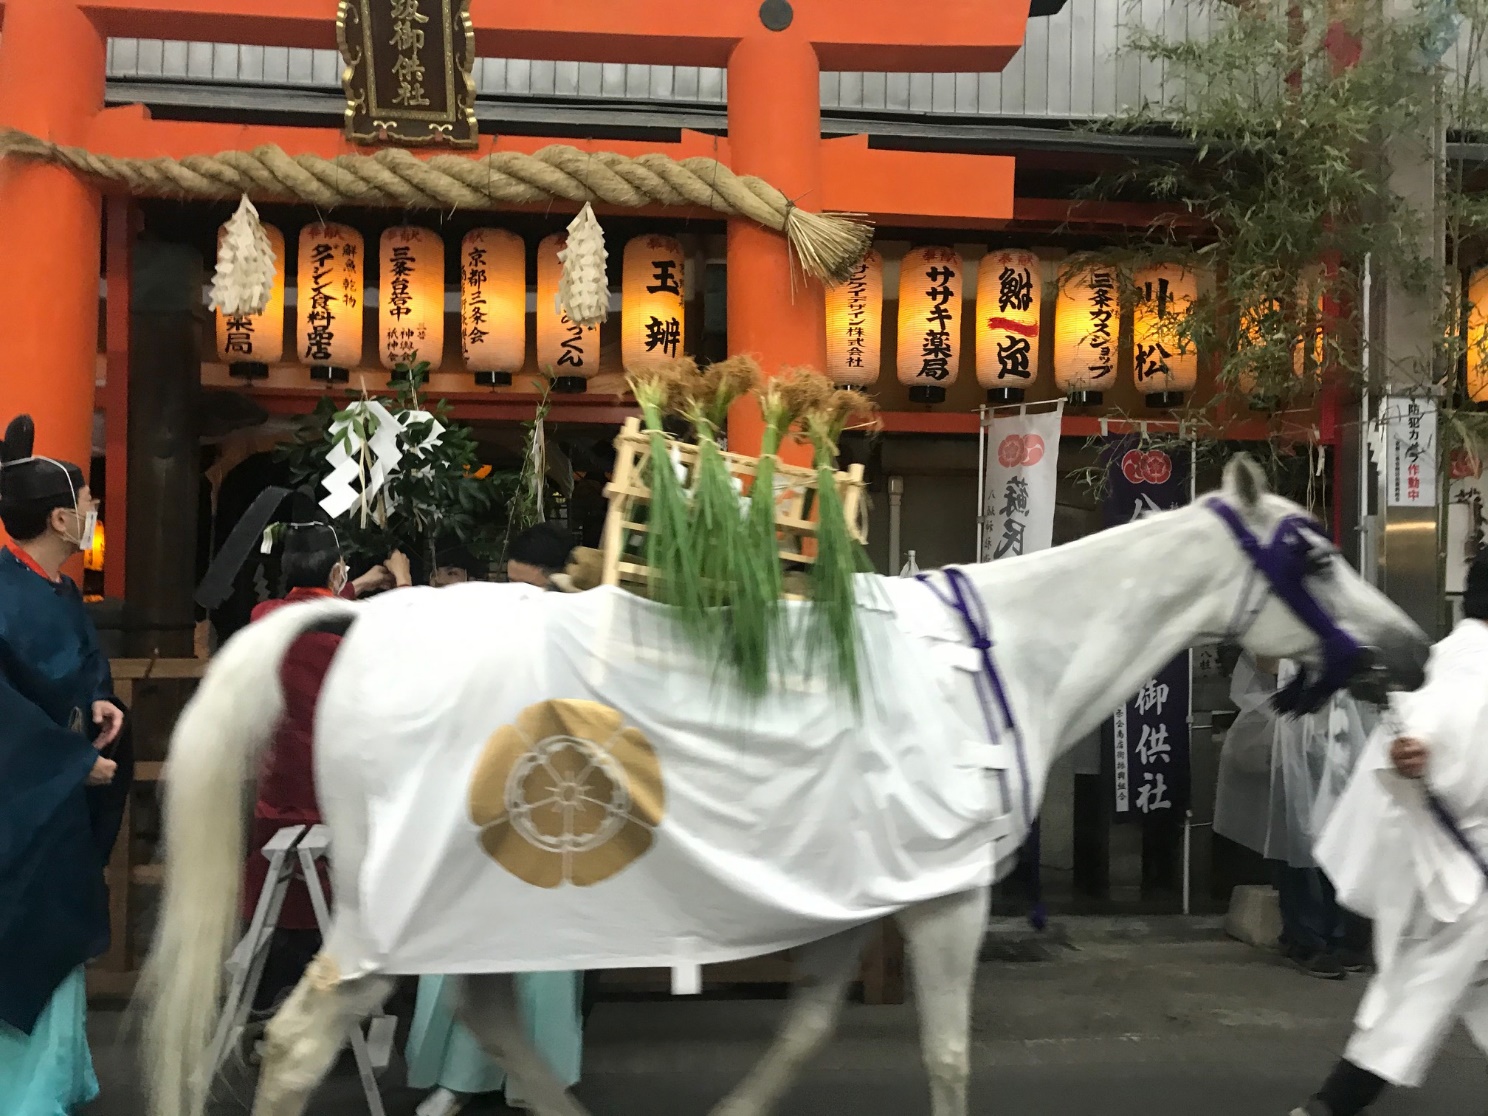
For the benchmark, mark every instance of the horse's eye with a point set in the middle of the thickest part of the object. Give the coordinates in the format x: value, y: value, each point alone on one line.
x: 1319, y: 562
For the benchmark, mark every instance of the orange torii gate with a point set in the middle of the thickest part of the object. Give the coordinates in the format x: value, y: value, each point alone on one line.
x: 52, y: 86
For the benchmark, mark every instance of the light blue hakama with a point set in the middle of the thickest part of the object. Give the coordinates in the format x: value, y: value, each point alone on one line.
x: 50, y: 1071
x: 443, y: 1053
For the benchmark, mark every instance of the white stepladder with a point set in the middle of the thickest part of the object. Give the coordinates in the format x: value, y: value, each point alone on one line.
x: 292, y: 853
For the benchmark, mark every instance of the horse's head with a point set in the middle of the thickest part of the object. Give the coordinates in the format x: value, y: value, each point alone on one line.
x: 1300, y: 600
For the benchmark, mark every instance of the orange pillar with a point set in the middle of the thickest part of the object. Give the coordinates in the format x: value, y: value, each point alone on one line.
x: 51, y: 85
x: 774, y: 128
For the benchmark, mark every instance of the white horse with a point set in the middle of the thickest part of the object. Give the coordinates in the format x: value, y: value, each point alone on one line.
x: 1078, y: 629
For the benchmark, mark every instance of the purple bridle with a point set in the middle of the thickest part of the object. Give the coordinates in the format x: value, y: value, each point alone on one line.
x: 1283, y: 563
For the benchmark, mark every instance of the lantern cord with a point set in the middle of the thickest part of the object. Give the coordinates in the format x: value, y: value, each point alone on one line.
x: 828, y: 245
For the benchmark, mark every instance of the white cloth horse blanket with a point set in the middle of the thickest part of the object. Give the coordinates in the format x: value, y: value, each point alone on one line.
x: 556, y: 781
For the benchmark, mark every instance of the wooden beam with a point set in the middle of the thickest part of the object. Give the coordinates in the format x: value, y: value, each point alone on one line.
x: 964, y: 36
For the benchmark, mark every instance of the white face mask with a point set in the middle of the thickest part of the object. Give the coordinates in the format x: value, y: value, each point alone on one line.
x: 90, y: 524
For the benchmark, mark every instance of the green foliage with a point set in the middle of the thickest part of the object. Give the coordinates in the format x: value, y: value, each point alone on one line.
x: 439, y: 493
x: 1287, y: 172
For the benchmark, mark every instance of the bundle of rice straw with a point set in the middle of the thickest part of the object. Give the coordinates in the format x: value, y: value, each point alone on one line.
x: 782, y: 402
x: 833, y: 629
x: 716, y: 529
x: 668, y: 546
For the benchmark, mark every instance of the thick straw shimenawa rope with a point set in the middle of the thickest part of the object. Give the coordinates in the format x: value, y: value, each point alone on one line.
x: 828, y: 246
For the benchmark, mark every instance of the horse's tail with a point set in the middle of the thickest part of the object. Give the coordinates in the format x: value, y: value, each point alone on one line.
x: 215, y: 752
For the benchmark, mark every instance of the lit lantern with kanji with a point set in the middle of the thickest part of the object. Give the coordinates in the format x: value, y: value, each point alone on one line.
x: 855, y: 325
x: 1010, y: 295
x: 410, y: 292
x: 1165, y: 361
x: 493, y: 304
x: 930, y: 281
x: 1087, y: 329
x: 1272, y: 324
x: 249, y: 343
x: 329, y: 325
x: 1477, y: 338
x: 566, y: 352
x: 652, y: 321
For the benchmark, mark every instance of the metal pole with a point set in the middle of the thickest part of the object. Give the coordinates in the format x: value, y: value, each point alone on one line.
x: 896, y: 501
x: 1193, y: 496
x: 984, y: 423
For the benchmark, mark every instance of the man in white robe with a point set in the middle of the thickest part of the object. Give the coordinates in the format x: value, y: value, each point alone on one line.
x: 1408, y: 847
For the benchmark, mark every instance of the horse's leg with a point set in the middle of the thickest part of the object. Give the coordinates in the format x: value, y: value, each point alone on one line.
x: 825, y: 970
x: 487, y: 1005
x: 944, y: 937
x: 304, y: 1037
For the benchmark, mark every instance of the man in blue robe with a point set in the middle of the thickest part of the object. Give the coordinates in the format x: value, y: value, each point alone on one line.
x: 58, y: 723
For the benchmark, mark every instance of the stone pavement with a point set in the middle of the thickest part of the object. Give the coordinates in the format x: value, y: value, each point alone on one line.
x: 1114, y: 1021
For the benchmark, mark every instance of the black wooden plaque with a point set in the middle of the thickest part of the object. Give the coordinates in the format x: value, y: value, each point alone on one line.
x: 408, y: 71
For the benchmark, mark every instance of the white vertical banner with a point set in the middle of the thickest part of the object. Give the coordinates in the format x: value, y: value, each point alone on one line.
x: 1021, y: 455
x: 1410, y: 451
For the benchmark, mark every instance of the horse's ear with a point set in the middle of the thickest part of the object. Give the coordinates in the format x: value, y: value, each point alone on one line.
x: 1244, y: 480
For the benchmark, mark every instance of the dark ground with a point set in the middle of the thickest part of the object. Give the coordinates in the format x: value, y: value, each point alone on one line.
x: 1170, y: 1020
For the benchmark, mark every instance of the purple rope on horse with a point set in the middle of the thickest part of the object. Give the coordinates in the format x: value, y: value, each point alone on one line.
x: 968, y: 604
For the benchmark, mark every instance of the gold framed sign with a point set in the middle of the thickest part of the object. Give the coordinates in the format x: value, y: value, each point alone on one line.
x: 408, y: 71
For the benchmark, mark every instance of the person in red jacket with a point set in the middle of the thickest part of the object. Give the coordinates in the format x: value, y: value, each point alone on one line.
x: 312, y: 568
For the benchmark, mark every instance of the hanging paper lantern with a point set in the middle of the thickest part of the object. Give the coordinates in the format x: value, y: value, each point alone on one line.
x: 410, y: 293
x: 1087, y: 329
x: 566, y: 351
x: 493, y: 304
x: 1165, y: 363
x: 1009, y: 304
x: 329, y: 334
x: 929, y: 322
x: 855, y: 325
x: 652, y: 322
x: 93, y: 556
x: 249, y: 343
x: 1477, y: 337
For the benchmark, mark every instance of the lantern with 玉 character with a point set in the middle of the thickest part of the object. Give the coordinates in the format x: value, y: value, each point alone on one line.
x: 855, y: 325
x: 493, y: 304
x: 249, y: 343
x: 930, y: 284
x: 1087, y: 329
x: 651, y: 293
x: 566, y: 351
x: 1165, y: 361
x: 328, y: 336
x: 410, y: 314
x: 1010, y: 295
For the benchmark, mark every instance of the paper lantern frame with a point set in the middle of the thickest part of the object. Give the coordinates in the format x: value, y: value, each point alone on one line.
x: 1164, y: 358
x: 931, y: 282
x: 653, y: 317
x: 1009, y: 307
x: 566, y: 351
x: 854, y: 321
x: 331, y: 270
x: 262, y: 333
x: 1087, y: 332
x: 493, y: 305
x: 410, y: 288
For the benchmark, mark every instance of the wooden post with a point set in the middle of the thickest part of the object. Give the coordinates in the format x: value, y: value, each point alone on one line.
x: 51, y: 84
x: 118, y: 264
x: 163, y: 453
